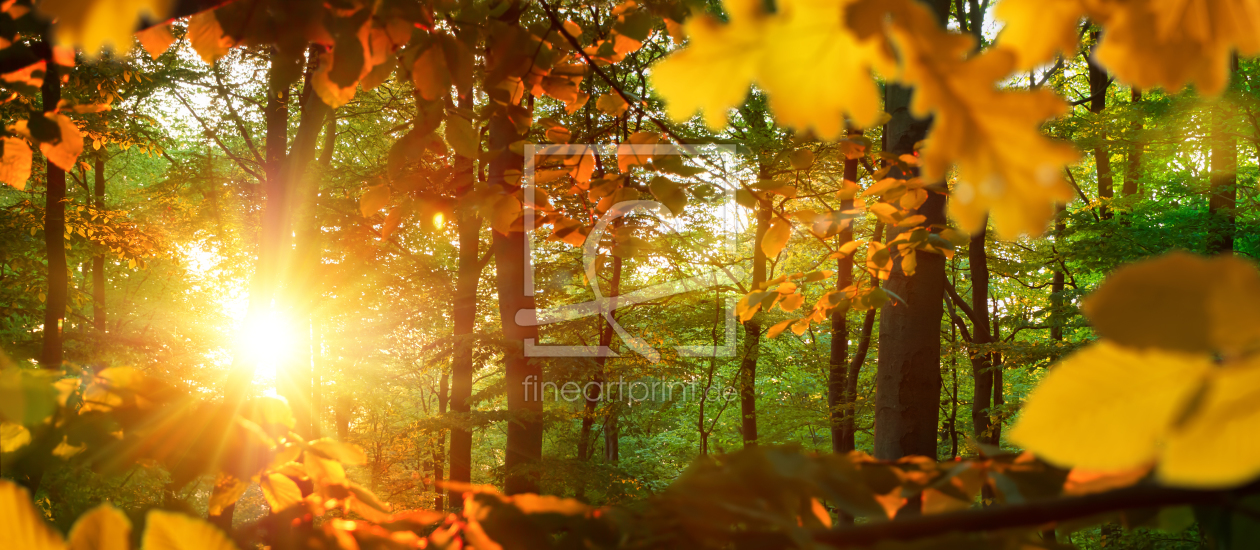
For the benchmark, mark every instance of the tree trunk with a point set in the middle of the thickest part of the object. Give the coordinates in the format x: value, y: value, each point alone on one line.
x: 908, y: 382
x: 54, y: 239
x: 99, y: 319
x: 999, y: 395
x: 592, y: 399
x: 837, y: 372
x: 981, y: 363
x: 752, y: 333
x: 464, y: 320
x: 1059, y: 281
x: 1223, y: 181
x: 1133, y: 174
x: 1098, y: 84
x: 439, y: 449
x: 612, y: 437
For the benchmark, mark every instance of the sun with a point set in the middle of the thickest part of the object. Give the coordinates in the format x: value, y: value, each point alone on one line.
x: 267, y: 341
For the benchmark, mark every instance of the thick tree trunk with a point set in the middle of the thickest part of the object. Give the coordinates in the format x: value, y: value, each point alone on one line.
x: 1098, y: 84
x: 99, y: 319
x: 752, y: 335
x: 908, y: 382
x: 54, y: 239
x: 837, y: 372
x: 981, y: 363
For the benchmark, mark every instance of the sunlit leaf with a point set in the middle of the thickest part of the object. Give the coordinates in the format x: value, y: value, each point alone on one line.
x: 207, y: 37
x: 776, y: 237
x: 15, y: 162
x: 373, y: 200
x: 1216, y: 447
x: 1037, y: 29
x: 280, y: 492
x: 95, y: 24
x: 1108, y: 407
x: 462, y: 137
x: 345, y: 453
x: 64, y: 151
x: 174, y: 531
x: 101, y: 528
x: 156, y: 40
x: 21, y: 526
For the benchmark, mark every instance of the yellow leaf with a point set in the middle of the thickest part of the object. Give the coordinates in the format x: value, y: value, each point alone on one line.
x: 1108, y: 407
x: 778, y: 328
x: 156, y: 40
x: 101, y: 528
x: 612, y: 104
x: 815, y: 71
x: 280, y: 492
x: 227, y: 490
x: 462, y: 137
x: 430, y: 74
x: 65, y: 151
x: 21, y: 526
x: 13, y: 436
x: 275, y: 410
x: 792, y: 302
x: 15, y: 162
x: 713, y: 73
x: 505, y: 213
x: 94, y: 25
x: 1037, y: 29
x: 1180, y: 302
x: 207, y: 37
x: 547, y: 504
x: 174, y: 531
x: 1005, y: 165
x: 1217, y: 447
x: 323, y: 471
x: 373, y: 200
x: 802, y: 159
x: 345, y: 453
x: 637, y: 150
x: 776, y: 237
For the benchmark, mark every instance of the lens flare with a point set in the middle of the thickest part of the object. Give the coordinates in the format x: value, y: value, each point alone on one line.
x: 266, y: 341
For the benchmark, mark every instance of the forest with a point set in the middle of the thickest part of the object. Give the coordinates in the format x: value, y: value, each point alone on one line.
x: 615, y: 274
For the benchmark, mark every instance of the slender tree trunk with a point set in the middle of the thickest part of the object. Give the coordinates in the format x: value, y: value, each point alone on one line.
x: 612, y: 437
x: 464, y: 320
x: 99, y: 319
x: 439, y: 448
x: 1223, y: 180
x: 981, y: 362
x: 54, y: 238
x: 1059, y: 281
x: 849, y: 434
x: 999, y: 395
x: 908, y: 382
x: 1133, y: 174
x: 1098, y: 84
x: 752, y: 334
x: 837, y: 372
x: 599, y: 377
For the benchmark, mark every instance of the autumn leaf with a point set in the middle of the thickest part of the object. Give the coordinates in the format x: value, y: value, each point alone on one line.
x: 336, y: 450
x: 1036, y: 30
x: 815, y: 71
x: 99, y: 23
x: 1180, y: 302
x: 156, y: 40
x: 280, y: 492
x: 612, y: 104
x: 21, y: 526
x: 101, y: 528
x: 669, y: 194
x: 174, y: 531
x: 778, y: 328
x: 1005, y: 166
x: 1107, y: 406
x: 207, y: 37
x: 462, y: 137
x: 713, y: 73
x: 66, y: 149
x: 15, y: 162
x: 1217, y: 446
x: 776, y: 237
x: 430, y: 74
x: 373, y: 200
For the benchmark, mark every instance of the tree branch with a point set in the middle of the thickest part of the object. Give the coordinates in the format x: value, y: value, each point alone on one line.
x: 1030, y: 514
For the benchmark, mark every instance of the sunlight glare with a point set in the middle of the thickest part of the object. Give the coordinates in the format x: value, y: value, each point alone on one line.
x: 267, y: 341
